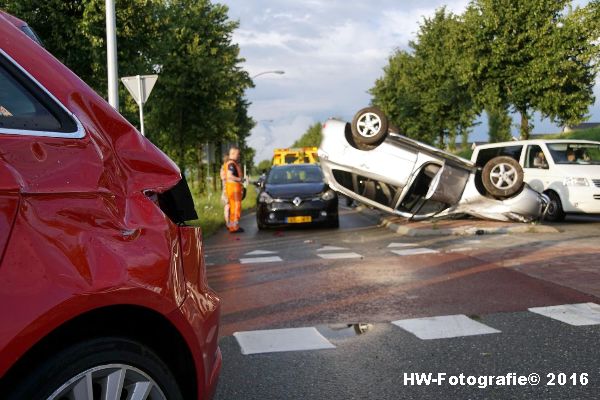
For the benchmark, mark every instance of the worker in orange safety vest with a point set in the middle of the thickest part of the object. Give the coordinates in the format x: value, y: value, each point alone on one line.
x: 234, y: 189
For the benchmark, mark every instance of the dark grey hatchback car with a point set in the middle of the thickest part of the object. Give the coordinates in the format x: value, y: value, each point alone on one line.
x: 296, y: 194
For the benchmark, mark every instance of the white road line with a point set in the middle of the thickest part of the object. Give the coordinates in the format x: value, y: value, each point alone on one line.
x: 336, y: 256
x: 412, y: 252
x: 572, y: 314
x: 392, y: 245
x: 260, y: 253
x: 277, y: 340
x: 331, y: 248
x: 443, y: 327
x: 257, y: 260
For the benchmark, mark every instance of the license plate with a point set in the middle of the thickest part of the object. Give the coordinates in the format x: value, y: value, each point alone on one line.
x: 299, y: 220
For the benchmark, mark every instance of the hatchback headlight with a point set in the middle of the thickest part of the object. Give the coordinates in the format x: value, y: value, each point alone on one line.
x: 328, y: 195
x: 265, y: 198
x: 572, y: 181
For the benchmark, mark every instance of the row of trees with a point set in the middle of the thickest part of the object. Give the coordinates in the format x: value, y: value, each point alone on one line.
x: 199, y: 97
x: 499, y: 56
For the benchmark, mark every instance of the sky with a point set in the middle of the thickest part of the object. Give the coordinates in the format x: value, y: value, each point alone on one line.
x: 331, y: 51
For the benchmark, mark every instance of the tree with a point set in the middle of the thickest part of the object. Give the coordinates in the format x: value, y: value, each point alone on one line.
x: 531, y: 56
x: 199, y: 97
x: 499, y: 122
x: 426, y: 91
x: 264, y: 165
x: 311, y: 138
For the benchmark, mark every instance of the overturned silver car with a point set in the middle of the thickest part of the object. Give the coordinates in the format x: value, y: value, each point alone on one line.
x: 368, y: 162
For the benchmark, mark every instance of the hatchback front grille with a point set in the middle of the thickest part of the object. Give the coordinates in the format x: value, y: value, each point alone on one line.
x: 596, y: 182
x: 597, y: 196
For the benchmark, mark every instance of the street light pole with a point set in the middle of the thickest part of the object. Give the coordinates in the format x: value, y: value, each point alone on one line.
x: 277, y: 72
x: 111, y: 55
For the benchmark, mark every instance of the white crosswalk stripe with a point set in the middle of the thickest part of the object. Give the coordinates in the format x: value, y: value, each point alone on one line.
x: 260, y: 253
x: 331, y: 248
x: 572, y: 314
x: 337, y: 256
x: 414, y: 252
x: 395, y: 245
x: 279, y: 340
x: 444, y: 327
x: 257, y: 260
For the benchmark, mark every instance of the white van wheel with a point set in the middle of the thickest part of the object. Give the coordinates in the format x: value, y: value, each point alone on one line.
x: 555, y: 212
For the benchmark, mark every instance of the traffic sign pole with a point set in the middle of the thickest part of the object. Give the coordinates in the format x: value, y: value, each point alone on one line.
x: 139, y: 87
x: 141, y: 96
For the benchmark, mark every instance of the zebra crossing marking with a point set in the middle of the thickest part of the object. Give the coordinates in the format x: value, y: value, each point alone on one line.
x: 337, y: 256
x: 331, y: 248
x: 260, y: 253
x: 280, y: 340
x: 444, y: 327
x: 256, y: 260
x: 414, y: 251
x: 573, y: 314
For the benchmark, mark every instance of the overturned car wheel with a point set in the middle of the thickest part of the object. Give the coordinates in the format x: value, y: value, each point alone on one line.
x: 502, y: 177
x: 369, y: 126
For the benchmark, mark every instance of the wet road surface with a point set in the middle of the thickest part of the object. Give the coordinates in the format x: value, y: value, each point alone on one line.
x: 361, y: 273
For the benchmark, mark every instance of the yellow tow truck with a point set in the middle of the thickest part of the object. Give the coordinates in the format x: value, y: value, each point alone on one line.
x: 298, y: 155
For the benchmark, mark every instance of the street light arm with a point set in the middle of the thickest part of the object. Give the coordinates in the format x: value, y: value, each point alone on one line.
x: 278, y: 72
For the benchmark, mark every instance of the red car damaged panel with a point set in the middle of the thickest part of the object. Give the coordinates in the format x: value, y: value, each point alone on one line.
x: 77, y: 231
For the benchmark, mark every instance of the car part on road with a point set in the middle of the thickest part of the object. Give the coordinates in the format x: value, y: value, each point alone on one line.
x: 555, y: 211
x: 502, y: 177
x: 369, y: 126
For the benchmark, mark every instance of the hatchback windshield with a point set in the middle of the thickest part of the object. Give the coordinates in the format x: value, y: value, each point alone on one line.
x: 575, y: 153
x: 295, y: 174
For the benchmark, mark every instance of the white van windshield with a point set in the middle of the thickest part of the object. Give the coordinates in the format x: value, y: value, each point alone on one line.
x: 575, y: 153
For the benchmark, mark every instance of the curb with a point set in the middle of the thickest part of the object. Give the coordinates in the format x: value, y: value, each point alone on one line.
x: 468, y: 229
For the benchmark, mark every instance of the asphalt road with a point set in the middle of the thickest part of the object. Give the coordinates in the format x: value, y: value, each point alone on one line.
x: 361, y: 273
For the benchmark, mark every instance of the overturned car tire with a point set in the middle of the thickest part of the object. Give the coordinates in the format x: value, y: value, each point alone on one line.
x: 369, y: 126
x: 502, y: 177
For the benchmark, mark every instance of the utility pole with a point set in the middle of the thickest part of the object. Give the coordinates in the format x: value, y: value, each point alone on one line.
x: 111, y: 55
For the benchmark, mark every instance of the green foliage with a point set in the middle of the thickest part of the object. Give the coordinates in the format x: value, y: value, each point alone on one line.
x: 465, y: 153
x: 588, y: 134
x: 499, y: 122
x: 531, y: 55
x: 264, y: 165
x: 425, y: 92
x: 199, y: 96
x: 500, y: 56
x: 311, y: 138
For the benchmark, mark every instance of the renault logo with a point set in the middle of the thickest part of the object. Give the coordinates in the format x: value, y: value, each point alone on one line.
x: 297, y: 201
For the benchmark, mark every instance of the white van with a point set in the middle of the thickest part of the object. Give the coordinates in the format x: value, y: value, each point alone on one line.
x: 567, y: 171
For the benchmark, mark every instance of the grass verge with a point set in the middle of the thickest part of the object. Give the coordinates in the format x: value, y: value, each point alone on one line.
x: 210, y: 210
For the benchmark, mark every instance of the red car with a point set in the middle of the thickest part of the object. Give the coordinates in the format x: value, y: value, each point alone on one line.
x: 103, y: 289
